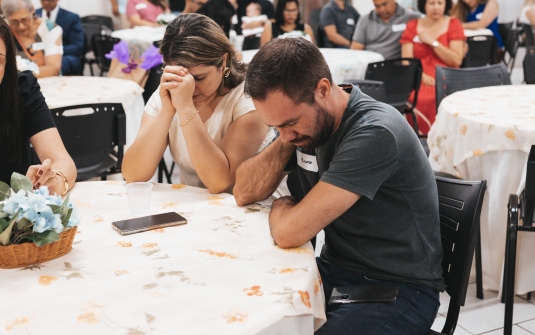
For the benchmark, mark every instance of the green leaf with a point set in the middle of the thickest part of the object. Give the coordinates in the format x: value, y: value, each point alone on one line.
x: 65, y: 218
x: 5, y: 191
x: 20, y: 182
x: 3, y: 225
x: 6, y: 234
x: 55, y: 209
x: 22, y: 223
x: 3, y: 214
x: 65, y: 205
x: 46, y: 237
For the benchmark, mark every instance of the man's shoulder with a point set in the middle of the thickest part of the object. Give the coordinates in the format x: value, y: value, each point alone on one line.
x: 67, y: 15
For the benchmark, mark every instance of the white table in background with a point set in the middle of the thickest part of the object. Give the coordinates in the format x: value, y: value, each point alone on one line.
x: 219, y: 274
x: 344, y: 64
x: 78, y: 90
x: 486, y: 133
x: 478, y: 32
x: 140, y: 38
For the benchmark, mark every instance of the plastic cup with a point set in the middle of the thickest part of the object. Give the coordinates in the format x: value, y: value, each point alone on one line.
x: 139, y: 198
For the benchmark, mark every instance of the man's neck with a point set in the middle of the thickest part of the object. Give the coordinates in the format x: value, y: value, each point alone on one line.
x: 340, y: 100
x: 340, y: 3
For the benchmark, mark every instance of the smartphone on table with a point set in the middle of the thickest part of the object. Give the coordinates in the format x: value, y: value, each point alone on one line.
x: 137, y: 225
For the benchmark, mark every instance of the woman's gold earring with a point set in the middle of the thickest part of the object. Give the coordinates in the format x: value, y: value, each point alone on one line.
x: 226, y: 72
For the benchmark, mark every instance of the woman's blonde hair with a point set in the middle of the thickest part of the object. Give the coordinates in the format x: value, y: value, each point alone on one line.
x: 194, y: 39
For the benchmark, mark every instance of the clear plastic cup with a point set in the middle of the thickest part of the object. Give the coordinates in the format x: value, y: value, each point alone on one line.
x: 139, y: 198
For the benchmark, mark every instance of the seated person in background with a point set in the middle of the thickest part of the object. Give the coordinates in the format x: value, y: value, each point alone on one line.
x: 73, y: 35
x: 145, y: 12
x: 35, y: 39
x: 338, y: 19
x: 192, y: 6
x: 527, y: 15
x: 199, y: 111
x: 118, y: 8
x: 254, y: 21
x: 435, y: 39
x: 24, y: 119
x: 479, y: 14
x: 409, y: 4
x: 356, y: 160
x: 287, y: 20
x: 381, y: 29
x: 267, y: 10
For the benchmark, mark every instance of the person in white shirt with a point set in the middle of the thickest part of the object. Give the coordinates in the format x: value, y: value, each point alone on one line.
x: 527, y: 15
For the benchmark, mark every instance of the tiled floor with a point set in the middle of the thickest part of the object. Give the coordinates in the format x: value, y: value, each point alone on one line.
x: 486, y: 316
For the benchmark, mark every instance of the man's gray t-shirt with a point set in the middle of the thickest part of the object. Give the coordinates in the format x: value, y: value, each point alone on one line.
x: 381, y: 37
x: 393, y: 231
x: 344, y: 20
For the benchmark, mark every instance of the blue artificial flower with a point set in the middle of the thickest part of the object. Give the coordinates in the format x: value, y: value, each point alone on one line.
x: 74, y: 220
x: 12, y: 206
x: 43, y: 190
x: 47, y: 220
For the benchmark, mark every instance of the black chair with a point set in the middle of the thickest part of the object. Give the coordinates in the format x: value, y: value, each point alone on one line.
x: 153, y: 82
x: 401, y: 77
x: 313, y: 21
x: 529, y: 65
x: 251, y: 42
x: 527, y: 33
x: 449, y: 80
x: 373, y: 88
x: 523, y: 209
x: 98, y: 20
x: 103, y: 45
x: 511, y: 40
x: 460, y: 204
x: 481, y: 51
x: 95, y: 141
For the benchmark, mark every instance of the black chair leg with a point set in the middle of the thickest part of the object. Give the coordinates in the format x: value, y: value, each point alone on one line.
x: 509, y: 271
x: 479, y: 270
x: 529, y: 296
x: 161, y: 167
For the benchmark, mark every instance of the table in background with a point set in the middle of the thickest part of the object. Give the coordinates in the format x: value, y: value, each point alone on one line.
x: 140, y: 37
x: 478, y: 32
x: 219, y: 274
x: 486, y: 133
x: 77, y: 90
x: 344, y: 64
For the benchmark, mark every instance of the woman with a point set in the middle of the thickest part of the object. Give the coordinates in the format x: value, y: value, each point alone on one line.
x: 145, y: 12
x: 24, y: 119
x: 287, y: 19
x: 527, y: 15
x: 200, y: 110
x: 37, y: 40
x: 435, y: 39
x: 479, y: 14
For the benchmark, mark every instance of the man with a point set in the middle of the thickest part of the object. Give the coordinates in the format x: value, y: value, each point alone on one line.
x: 338, y: 19
x: 380, y: 30
x: 367, y: 184
x: 73, y: 35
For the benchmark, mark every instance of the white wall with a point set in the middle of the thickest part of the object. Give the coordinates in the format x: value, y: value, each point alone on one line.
x: 83, y: 7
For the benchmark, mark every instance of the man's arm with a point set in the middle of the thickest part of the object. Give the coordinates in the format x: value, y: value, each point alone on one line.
x: 258, y: 177
x: 357, y: 46
x: 334, y: 37
x: 75, y: 39
x: 292, y: 225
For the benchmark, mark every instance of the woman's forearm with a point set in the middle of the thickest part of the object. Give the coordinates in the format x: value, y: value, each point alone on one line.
x: 449, y: 56
x: 66, y: 166
x: 143, y: 156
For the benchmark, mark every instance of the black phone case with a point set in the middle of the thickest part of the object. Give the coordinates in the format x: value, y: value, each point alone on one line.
x: 150, y: 222
x: 364, y: 293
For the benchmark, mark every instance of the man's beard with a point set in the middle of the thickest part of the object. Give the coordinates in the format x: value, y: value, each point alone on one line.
x: 323, y: 129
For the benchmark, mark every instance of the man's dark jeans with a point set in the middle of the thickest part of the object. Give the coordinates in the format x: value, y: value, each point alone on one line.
x: 412, y: 313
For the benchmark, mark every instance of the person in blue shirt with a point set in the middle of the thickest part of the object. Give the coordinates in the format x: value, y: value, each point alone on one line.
x: 479, y: 14
x: 73, y: 35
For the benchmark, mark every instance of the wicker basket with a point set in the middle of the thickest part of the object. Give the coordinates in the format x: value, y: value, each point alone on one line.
x: 19, y: 255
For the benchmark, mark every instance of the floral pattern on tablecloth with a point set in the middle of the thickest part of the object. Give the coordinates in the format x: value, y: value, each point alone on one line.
x: 473, y: 122
x: 221, y: 273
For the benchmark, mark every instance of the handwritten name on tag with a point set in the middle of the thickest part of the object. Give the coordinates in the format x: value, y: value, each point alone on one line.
x: 399, y: 27
x: 141, y: 6
x: 350, y: 22
x: 307, y: 162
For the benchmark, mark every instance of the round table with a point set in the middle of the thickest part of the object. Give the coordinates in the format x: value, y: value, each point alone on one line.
x: 219, y: 274
x: 478, y: 32
x: 77, y: 90
x: 141, y: 37
x: 344, y: 64
x: 486, y: 133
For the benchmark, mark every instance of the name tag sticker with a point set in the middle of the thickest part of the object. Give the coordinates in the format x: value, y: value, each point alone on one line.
x: 307, y: 162
x: 479, y: 16
x: 398, y: 27
x: 350, y: 22
x: 37, y: 46
x: 141, y: 6
x: 417, y: 39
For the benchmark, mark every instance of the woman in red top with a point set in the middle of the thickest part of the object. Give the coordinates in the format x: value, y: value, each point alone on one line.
x: 435, y: 39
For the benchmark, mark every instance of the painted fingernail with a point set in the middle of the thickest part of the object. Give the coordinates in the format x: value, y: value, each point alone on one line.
x: 40, y: 172
x: 37, y: 185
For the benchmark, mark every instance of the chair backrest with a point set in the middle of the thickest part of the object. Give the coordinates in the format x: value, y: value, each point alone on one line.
x: 373, y: 88
x: 528, y: 200
x: 459, y: 204
x: 400, y: 76
x: 103, y: 45
x: 449, y: 80
x: 251, y: 42
x: 529, y: 65
x: 481, y: 51
x: 99, y: 20
x: 91, y: 138
x: 153, y: 81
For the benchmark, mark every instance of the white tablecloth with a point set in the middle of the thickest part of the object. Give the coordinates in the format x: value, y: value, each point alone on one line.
x: 486, y: 133
x: 478, y: 32
x: 219, y: 274
x: 140, y: 37
x: 70, y: 91
x: 344, y: 64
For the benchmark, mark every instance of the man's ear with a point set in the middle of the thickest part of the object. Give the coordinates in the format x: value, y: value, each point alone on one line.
x: 323, y: 88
